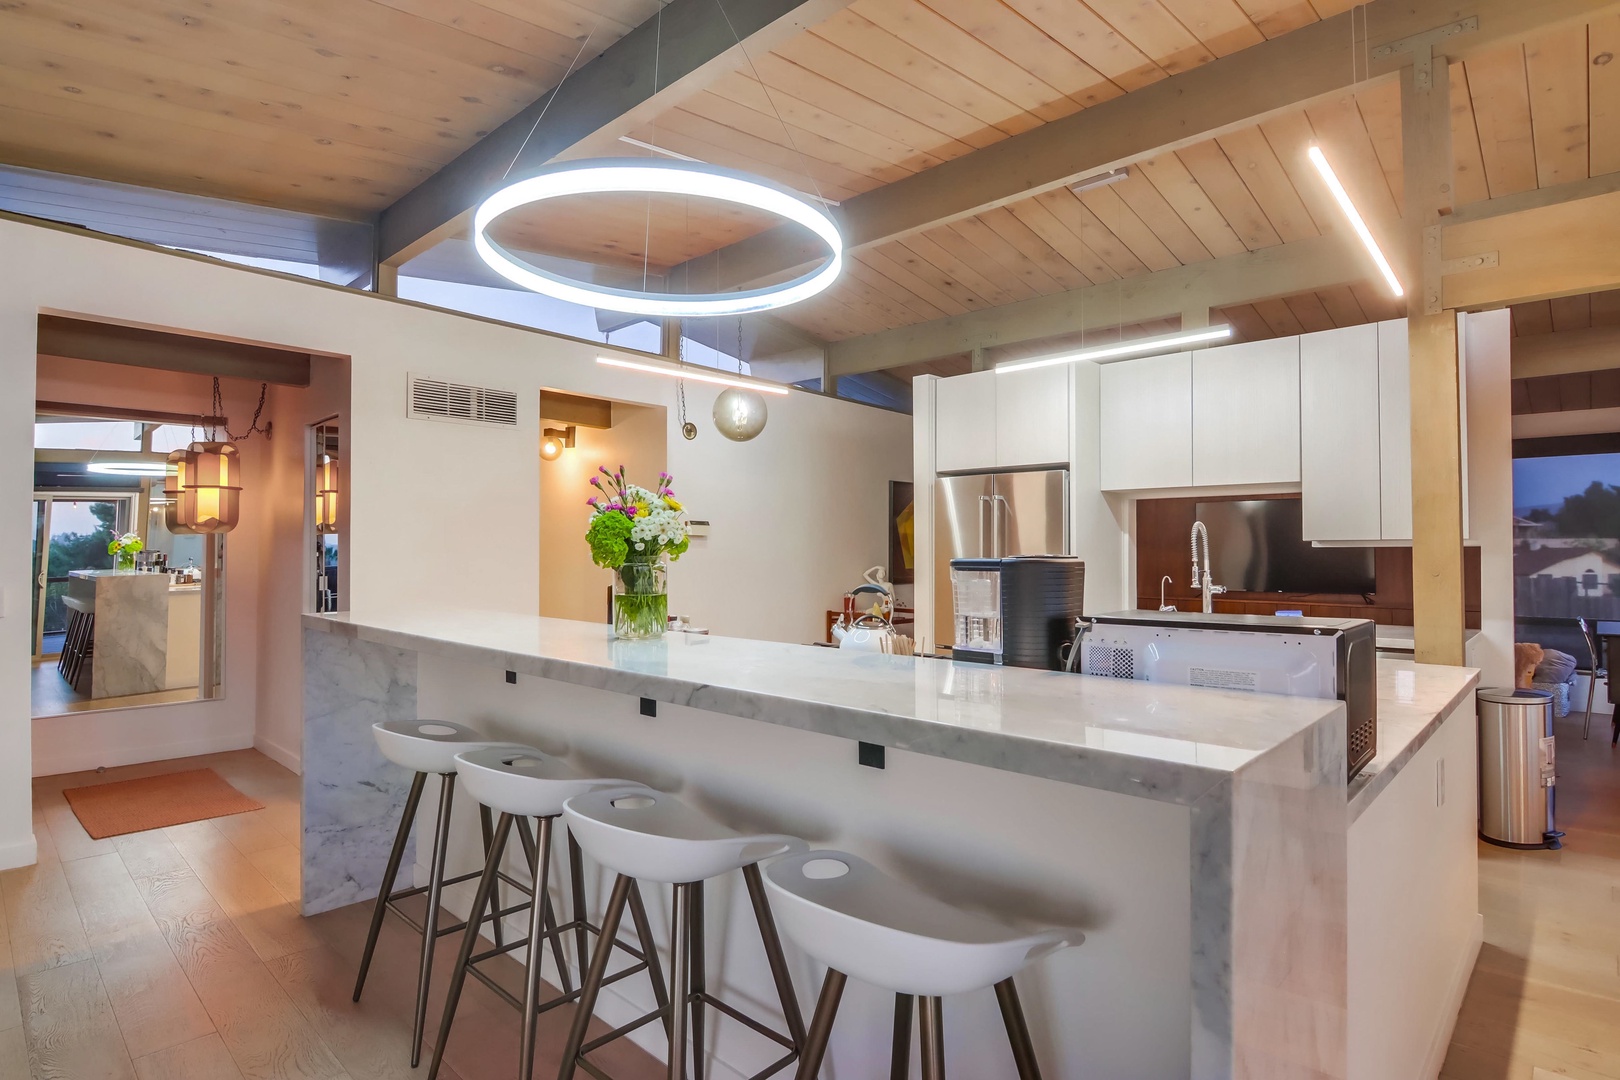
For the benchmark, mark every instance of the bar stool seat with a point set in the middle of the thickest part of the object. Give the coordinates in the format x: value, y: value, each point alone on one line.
x: 859, y: 921
x: 427, y: 748
x: 651, y: 836
x: 520, y: 783
x: 647, y: 835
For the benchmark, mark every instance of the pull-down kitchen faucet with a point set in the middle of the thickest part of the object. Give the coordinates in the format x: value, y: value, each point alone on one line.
x: 1206, y: 583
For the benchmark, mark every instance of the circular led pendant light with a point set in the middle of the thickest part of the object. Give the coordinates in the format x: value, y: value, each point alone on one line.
x: 650, y: 176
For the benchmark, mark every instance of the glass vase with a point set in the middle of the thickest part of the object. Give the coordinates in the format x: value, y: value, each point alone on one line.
x: 640, y: 604
x: 125, y: 560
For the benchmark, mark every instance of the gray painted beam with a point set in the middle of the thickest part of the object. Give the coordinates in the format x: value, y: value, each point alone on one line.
x: 1321, y: 262
x: 688, y: 44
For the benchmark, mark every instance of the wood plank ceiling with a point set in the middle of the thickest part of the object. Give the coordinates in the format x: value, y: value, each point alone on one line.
x: 336, y: 109
x: 890, y: 87
x: 341, y: 108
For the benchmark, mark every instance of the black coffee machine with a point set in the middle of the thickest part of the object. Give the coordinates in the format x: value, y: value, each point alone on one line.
x: 1019, y: 611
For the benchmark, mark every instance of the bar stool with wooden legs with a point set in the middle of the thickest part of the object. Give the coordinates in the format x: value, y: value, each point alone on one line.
x: 650, y: 836
x: 427, y: 748
x: 859, y: 921
x: 519, y: 784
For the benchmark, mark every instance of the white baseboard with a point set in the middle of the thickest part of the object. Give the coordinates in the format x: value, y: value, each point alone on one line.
x: 91, y: 757
x: 19, y: 853
x: 1436, y: 1058
x: 289, y: 759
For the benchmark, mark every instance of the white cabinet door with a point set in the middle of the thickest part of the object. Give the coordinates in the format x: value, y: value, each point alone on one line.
x: 1146, y: 424
x: 1246, y: 413
x: 1032, y: 416
x: 1395, y: 429
x: 965, y: 422
x: 1340, y: 455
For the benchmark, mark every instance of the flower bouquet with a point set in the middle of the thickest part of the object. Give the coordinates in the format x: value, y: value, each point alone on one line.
x: 632, y: 530
x: 124, y: 549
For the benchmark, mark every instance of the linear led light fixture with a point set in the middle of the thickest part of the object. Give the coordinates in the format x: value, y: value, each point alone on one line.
x: 1138, y: 347
x: 1091, y: 183
x: 127, y: 468
x: 1342, y: 197
x: 696, y: 374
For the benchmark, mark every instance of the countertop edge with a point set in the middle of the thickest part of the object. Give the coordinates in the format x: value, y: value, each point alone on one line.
x: 1363, y: 796
x: 839, y: 721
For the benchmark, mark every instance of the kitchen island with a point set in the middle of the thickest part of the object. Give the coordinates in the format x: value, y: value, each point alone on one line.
x: 1201, y: 839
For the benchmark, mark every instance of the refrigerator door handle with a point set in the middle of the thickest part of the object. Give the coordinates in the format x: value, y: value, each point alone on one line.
x: 1000, y: 510
x: 983, y: 551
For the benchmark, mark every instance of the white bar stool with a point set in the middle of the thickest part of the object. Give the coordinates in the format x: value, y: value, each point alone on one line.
x: 521, y: 783
x: 650, y: 836
x: 859, y: 921
x: 426, y: 747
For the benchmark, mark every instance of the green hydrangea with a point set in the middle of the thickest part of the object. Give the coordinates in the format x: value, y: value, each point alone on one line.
x: 609, y: 537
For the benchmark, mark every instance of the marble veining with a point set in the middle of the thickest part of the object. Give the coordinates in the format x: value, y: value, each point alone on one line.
x: 1413, y: 701
x: 1169, y: 743
x: 132, y: 634
x: 352, y: 796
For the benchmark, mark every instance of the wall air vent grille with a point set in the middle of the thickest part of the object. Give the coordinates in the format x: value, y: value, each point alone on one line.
x: 436, y: 399
x: 1110, y: 662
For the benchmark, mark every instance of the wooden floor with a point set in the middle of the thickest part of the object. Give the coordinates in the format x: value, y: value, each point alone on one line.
x: 179, y: 954
x: 1544, y: 1001
x: 52, y: 695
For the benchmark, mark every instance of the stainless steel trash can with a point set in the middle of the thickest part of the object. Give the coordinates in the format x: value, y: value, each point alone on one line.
x: 1517, y: 767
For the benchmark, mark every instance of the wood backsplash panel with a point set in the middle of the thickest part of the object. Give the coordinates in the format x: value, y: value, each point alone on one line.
x: 1162, y: 530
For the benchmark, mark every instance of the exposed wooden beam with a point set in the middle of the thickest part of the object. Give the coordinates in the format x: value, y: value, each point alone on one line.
x: 1438, y: 615
x: 683, y: 48
x: 1316, y: 61
x: 1568, y: 352
x: 1321, y: 262
x: 1544, y: 251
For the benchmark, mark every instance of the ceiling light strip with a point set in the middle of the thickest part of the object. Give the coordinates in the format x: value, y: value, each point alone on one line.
x: 1342, y: 197
x: 1138, y: 347
x: 1091, y: 183
x: 696, y: 374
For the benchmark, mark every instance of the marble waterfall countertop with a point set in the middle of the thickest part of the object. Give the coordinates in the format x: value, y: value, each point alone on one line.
x: 1169, y: 743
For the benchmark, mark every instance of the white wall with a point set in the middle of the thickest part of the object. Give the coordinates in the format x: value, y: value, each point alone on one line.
x: 798, y: 513
x: 87, y: 740
x: 1487, y: 344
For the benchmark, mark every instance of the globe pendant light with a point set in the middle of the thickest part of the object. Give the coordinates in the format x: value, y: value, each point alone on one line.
x: 203, y: 484
x: 739, y: 414
x: 326, y: 494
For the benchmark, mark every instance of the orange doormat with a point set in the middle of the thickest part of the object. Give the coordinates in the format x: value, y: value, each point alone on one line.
x: 155, y: 801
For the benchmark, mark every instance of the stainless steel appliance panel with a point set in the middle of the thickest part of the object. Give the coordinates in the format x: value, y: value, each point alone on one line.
x: 961, y: 531
x: 992, y: 516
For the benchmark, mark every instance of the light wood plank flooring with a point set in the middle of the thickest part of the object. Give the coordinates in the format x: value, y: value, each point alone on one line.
x: 179, y: 954
x: 1544, y: 1001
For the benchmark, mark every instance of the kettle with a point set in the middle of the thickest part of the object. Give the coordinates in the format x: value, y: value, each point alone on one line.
x: 866, y: 632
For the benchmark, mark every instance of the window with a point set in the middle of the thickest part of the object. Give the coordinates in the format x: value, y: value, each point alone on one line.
x: 1566, y: 536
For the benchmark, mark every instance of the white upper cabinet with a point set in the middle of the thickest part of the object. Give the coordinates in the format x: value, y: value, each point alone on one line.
x: 1395, y: 426
x: 1245, y: 414
x: 1146, y: 425
x: 1340, y: 393
x: 1033, y: 411
x: 965, y: 422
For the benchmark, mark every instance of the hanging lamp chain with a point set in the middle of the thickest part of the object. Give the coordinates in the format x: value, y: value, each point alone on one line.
x: 217, y: 413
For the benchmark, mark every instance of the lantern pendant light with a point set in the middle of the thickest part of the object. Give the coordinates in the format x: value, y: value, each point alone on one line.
x: 204, y: 488
x: 326, y: 494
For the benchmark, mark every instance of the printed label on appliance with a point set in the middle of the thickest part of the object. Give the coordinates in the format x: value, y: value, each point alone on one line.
x: 1223, y: 678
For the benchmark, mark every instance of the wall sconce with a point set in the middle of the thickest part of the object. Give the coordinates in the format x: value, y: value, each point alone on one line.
x: 326, y: 494
x: 554, y: 441
x: 202, y: 484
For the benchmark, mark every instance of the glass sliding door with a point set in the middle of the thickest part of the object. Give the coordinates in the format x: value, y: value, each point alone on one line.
x: 70, y: 533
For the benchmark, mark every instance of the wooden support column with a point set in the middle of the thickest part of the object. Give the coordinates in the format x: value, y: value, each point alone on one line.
x: 1437, y: 474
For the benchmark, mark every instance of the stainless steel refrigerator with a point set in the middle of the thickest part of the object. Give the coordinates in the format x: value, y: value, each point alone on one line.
x: 992, y: 516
